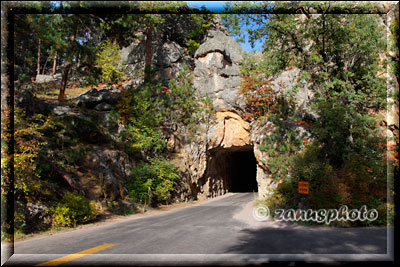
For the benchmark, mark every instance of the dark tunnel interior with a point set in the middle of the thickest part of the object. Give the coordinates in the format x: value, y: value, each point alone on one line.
x: 242, y: 171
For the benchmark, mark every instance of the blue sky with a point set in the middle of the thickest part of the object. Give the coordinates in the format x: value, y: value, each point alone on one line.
x: 218, y: 6
x: 212, y: 5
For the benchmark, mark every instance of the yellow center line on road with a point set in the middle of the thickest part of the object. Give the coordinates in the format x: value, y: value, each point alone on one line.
x: 75, y: 256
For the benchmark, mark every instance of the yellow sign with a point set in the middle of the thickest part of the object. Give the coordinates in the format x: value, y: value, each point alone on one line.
x: 303, y: 187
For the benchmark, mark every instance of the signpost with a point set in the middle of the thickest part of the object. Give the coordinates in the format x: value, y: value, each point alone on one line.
x: 303, y: 188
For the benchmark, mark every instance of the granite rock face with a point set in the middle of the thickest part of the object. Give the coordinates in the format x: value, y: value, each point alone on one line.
x: 114, y: 168
x: 92, y: 98
x: 207, y: 161
x: 217, y: 72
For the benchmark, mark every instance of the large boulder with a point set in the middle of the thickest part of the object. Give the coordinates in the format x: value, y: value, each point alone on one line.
x: 218, y: 41
x: 169, y: 53
x: 217, y: 72
x: 42, y: 78
x: 113, y: 167
x: 92, y: 98
x: 62, y: 110
x: 36, y: 216
x: 230, y: 131
x: 26, y: 100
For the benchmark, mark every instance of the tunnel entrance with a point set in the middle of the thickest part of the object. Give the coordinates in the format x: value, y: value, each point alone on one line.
x: 242, y: 170
x: 231, y: 169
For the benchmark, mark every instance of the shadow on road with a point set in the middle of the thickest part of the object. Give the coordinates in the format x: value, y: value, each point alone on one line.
x: 313, y: 240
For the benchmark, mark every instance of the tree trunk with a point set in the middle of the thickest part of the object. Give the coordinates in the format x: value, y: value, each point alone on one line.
x: 323, y: 38
x: 147, y: 66
x: 38, y: 59
x: 45, y: 64
x: 54, y: 63
x: 67, y: 68
x: 24, y: 56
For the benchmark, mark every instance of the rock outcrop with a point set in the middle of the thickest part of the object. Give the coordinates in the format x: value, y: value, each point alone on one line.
x: 93, y: 98
x: 216, y: 75
x: 217, y: 72
x: 41, y: 78
x: 208, y: 160
x: 230, y: 130
x: 113, y: 167
x: 25, y: 99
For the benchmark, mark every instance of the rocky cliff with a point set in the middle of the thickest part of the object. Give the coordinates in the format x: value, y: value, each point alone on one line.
x: 209, y: 161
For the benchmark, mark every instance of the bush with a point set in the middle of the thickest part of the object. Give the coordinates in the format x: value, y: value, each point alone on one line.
x: 360, y: 181
x: 179, y: 101
x: 76, y: 155
x: 73, y: 209
x: 29, y: 141
x: 138, y: 111
x: 109, y: 60
x: 182, y: 106
x: 152, y: 183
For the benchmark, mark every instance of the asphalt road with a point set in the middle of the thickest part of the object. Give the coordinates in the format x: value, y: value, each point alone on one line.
x: 220, y: 231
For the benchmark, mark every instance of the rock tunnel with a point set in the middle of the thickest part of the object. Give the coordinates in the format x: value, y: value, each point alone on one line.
x: 229, y: 163
x: 231, y: 169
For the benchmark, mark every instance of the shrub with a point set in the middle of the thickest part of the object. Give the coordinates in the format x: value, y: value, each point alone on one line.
x: 152, y: 183
x: 73, y: 209
x: 28, y: 144
x: 109, y: 60
x: 360, y: 181
x: 181, y: 105
x: 179, y: 99
x: 76, y: 155
x: 280, y: 146
x: 138, y: 111
x: 261, y: 100
x: 259, y: 96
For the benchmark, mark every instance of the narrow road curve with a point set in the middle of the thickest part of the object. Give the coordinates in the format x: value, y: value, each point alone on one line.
x: 210, y: 232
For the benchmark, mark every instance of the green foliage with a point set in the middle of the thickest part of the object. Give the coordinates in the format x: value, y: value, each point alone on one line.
x: 342, y: 68
x: 152, y: 183
x: 143, y: 138
x: 73, y: 209
x: 342, y: 65
x: 179, y: 98
x: 109, y: 60
x: 393, y: 46
x: 200, y: 24
x: 279, y: 147
x: 150, y: 108
x: 139, y: 111
x: 76, y: 155
x: 360, y: 182
x: 71, y: 130
x: 182, y: 106
x: 192, y: 46
x: 29, y: 141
